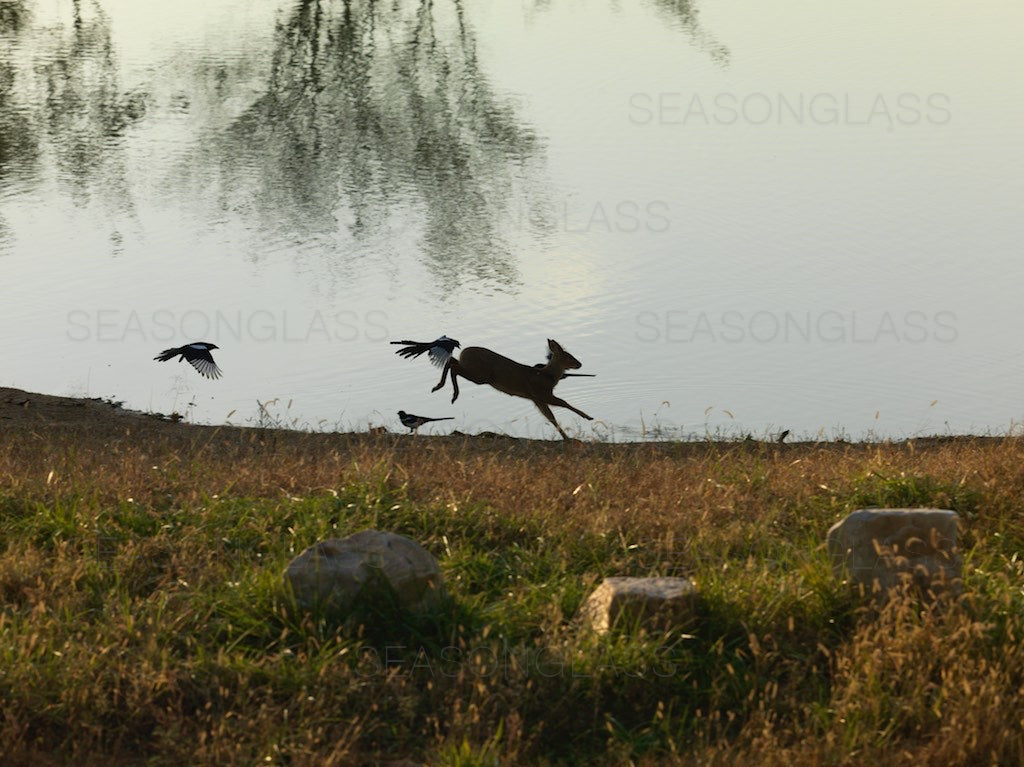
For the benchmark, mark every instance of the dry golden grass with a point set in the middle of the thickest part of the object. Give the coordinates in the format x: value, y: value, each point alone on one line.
x: 141, y: 617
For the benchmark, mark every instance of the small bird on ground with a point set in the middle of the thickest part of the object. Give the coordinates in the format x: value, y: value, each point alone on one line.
x: 196, y: 354
x: 439, y: 351
x: 416, y: 421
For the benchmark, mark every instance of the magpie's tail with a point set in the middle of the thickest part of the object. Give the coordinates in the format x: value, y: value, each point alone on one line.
x: 412, y: 348
x: 167, y: 354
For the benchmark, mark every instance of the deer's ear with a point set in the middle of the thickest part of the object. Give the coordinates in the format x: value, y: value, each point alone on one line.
x: 553, y: 345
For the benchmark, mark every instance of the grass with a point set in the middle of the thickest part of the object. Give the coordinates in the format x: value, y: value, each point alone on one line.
x: 142, y: 617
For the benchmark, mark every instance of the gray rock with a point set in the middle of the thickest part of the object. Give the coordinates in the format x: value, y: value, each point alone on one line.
x: 370, y: 564
x: 648, y: 603
x: 883, y: 549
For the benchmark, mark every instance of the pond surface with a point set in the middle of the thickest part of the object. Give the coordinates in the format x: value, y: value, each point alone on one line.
x: 741, y: 217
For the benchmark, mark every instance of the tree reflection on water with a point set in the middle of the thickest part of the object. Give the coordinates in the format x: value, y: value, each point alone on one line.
x: 363, y: 130
x: 68, y: 103
x: 375, y: 112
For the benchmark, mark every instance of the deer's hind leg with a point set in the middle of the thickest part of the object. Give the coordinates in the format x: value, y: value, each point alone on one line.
x: 444, y: 376
x: 449, y: 367
x: 455, y: 384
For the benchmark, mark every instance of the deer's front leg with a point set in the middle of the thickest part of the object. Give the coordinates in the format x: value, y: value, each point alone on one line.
x: 543, y: 408
x: 562, y: 403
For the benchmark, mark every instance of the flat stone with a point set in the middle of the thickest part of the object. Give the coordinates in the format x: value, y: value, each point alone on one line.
x: 650, y: 603
x: 884, y: 549
x: 334, y: 573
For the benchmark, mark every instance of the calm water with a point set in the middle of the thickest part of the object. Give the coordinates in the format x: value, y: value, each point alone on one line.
x: 742, y: 217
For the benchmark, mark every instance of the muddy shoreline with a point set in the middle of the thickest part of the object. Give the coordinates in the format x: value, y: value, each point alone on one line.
x: 31, y: 414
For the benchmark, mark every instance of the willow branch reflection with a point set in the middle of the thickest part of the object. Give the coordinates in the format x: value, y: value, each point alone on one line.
x: 681, y: 14
x: 685, y: 14
x: 19, y: 147
x: 378, y: 117
x: 70, y: 98
x: 13, y: 15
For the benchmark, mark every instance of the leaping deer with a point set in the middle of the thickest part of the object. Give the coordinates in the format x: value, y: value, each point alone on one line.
x: 483, y: 366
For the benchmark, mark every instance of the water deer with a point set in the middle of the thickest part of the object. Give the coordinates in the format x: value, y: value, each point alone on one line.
x: 483, y: 366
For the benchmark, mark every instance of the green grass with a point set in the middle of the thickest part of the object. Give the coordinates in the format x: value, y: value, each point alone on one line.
x: 144, y: 619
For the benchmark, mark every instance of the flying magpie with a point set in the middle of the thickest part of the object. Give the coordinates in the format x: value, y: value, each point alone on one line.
x: 540, y: 365
x: 439, y: 351
x: 197, y: 355
x: 416, y: 421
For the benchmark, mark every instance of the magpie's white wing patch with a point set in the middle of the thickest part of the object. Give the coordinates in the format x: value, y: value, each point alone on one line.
x: 441, y: 351
x: 200, y: 358
x: 206, y: 367
x: 439, y: 355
